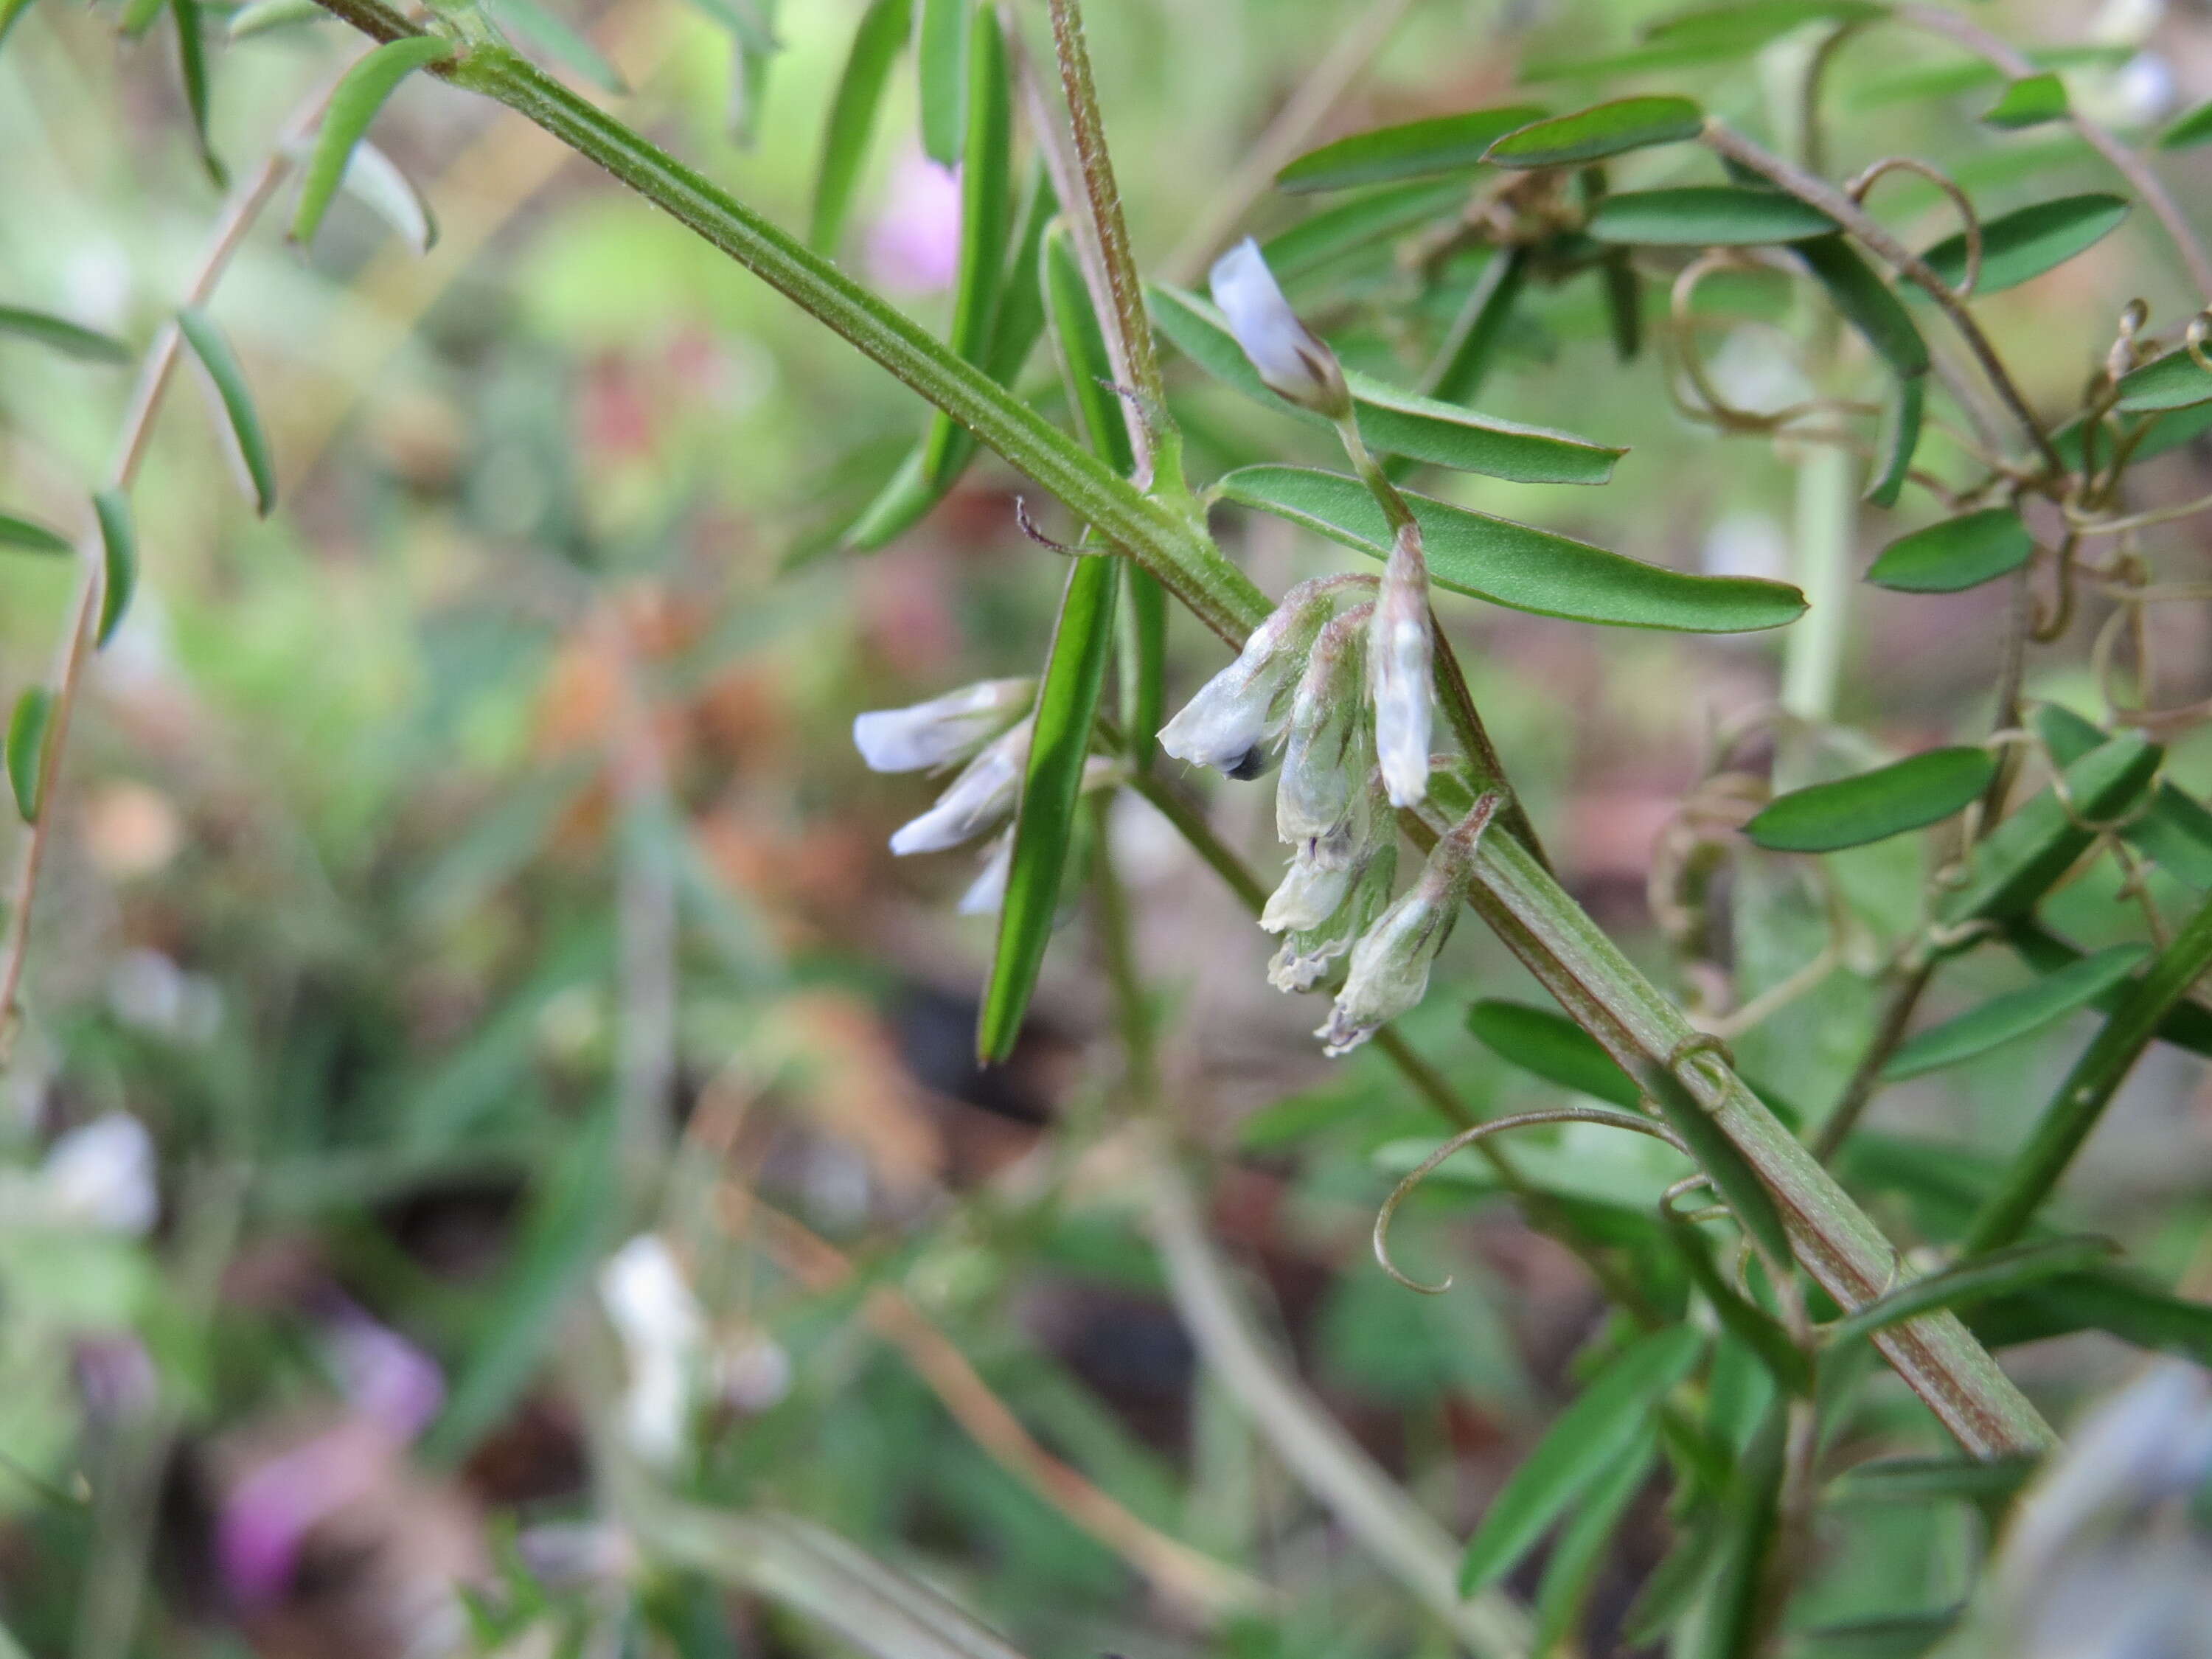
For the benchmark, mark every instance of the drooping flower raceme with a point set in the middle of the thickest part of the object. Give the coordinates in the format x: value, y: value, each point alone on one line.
x: 1234, y: 722
x: 944, y: 730
x: 984, y: 793
x: 1292, y: 360
x: 1399, y: 667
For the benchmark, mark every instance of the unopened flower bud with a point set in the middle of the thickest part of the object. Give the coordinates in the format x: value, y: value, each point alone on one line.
x: 1237, y: 716
x: 1319, y: 802
x: 982, y: 794
x: 1399, y: 670
x: 1308, y: 950
x: 944, y: 730
x: 1292, y: 360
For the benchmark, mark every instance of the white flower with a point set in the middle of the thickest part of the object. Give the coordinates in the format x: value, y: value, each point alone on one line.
x: 1318, y: 803
x: 946, y: 729
x: 1390, y: 964
x: 978, y: 797
x: 1310, y: 895
x: 663, y: 1334
x: 987, y: 893
x: 1308, y: 950
x: 1291, y: 361
x: 1237, y: 716
x: 100, y: 1175
x: 1399, y: 668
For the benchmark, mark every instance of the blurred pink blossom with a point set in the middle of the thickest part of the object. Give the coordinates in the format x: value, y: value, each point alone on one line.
x: 914, y: 246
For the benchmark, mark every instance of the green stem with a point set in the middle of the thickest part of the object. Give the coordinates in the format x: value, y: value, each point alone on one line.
x: 1594, y: 982
x: 1813, y: 658
x: 2089, y: 1087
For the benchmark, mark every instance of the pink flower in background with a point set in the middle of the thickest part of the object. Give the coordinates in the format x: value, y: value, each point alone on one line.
x: 914, y: 246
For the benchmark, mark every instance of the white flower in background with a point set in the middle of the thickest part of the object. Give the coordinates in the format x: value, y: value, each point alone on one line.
x: 1308, y: 949
x: 1292, y: 360
x: 982, y: 794
x: 987, y: 892
x: 944, y: 730
x: 1239, y: 714
x: 1400, y: 673
x: 1322, y: 791
x: 663, y: 1335
x: 100, y: 1175
x: 752, y: 1372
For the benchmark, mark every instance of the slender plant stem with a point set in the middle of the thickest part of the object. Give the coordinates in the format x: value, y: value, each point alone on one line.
x: 2130, y: 165
x: 1897, y: 1010
x: 156, y: 372
x: 1826, y: 515
x: 1837, y: 205
x: 2089, y: 1087
x: 1594, y: 982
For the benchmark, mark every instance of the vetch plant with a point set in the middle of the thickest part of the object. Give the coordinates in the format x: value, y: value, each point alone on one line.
x: 1775, y: 1249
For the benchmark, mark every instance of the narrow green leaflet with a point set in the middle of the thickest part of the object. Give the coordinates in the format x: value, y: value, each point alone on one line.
x: 26, y: 749
x: 192, y: 70
x: 940, y: 53
x: 1467, y: 350
x: 1901, y: 437
x: 374, y: 179
x: 1593, y: 134
x: 1603, y: 1427
x: 2114, y: 1300
x: 1962, y: 74
x: 876, y: 45
x: 1667, y: 1594
x: 1394, y: 422
x: 118, y: 568
x: 139, y: 15
x: 1925, y: 1480
x: 2187, y: 1025
x: 1705, y: 216
x: 2190, y: 129
x: 1954, y: 554
x: 1571, y: 1572
x: 266, y: 16
x: 2176, y: 834
x: 1907, y: 794
x: 1360, y: 221
x: 1743, y: 28
x: 249, y: 445
x: 1141, y: 662
x: 59, y: 334
x: 1554, y: 1048
x: 1414, y: 149
x: 1086, y: 371
x: 2162, y: 433
x: 1044, y: 825
x: 1866, y: 302
x: 1896, y: 1635
x: 2015, y: 1014
x: 352, y: 107
x: 1979, y: 1278
x: 1517, y: 565
x: 538, y: 27
x: 2021, y: 246
x: 28, y: 536
x: 986, y: 212
x: 2016, y: 865
x: 2174, y: 381
x: 1623, y: 303
x: 2029, y: 103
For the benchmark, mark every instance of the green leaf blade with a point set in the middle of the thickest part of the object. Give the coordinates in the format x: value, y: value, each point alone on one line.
x: 118, y: 578
x: 2029, y: 103
x: 1517, y: 565
x: 1705, y: 216
x: 551, y: 35
x: 1591, y: 135
x: 1954, y: 554
x: 2015, y: 1014
x: 877, y: 43
x: 29, y: 536
x: 1867, y: 303
x: 26, y: 749
x: 2021, y: 246
x: 2188, y: 129
x: 192, y: 70
x: 1908, y: 794
x: 1979, y: 1278
x: 1044, y: 826
x: 59, y: 334
x: 1600, y: 1428
x: 249, y: 443
x: 987, y: 212
x: 2176, y: 381
x: 2018, y: 861
x: 1412, y: 149
x: 940, y: 55
x: 1552, y: 1047
x: 353, y: 105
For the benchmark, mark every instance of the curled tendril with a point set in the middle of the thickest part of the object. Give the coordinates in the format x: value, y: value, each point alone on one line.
x: 1715, y: 408
x: 1028, y: 527
x: 1467, y: 1138
x: 1688, y: 1184
x: 2193, y: 337
x: 1967, y: 217
x: 2046, y: 626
